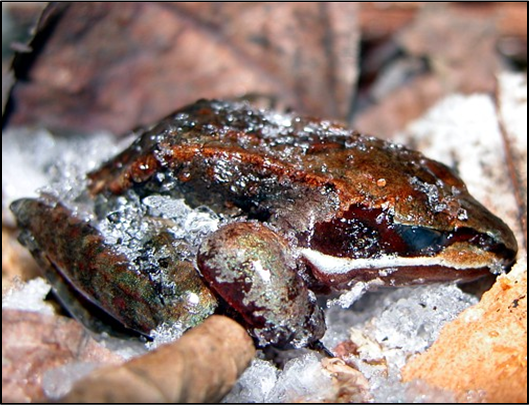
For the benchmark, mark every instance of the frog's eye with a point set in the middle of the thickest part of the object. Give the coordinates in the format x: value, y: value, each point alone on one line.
x: 419, y: 238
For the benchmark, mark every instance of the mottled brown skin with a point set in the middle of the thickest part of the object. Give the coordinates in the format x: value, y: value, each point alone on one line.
x: 343, y: 179
x: 81, y: 266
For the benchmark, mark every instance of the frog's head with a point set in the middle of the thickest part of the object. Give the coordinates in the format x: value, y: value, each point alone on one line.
x: 420, y: 226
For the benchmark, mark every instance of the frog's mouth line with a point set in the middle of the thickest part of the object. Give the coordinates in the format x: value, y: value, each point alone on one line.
x: 469, y: 265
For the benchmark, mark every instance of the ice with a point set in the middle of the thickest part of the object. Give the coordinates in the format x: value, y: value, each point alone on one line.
x: 29, y: 296
x: 123, y: 225
x: 192, y: 225
x: 302, y: 379
x: 58, y: 381
x: 165, y: 333
x: 35, y: 160
x: 124, y: 348
x: 389, y: 326
x: 255, y: 384
x: 412, y: 317
x: 391, y: 390
x: 23, y: 170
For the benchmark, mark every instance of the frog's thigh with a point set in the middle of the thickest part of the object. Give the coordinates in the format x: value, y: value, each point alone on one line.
x: 252, y: 268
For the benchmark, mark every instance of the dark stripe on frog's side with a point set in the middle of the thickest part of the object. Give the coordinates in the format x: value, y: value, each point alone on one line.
x: 363, y: 233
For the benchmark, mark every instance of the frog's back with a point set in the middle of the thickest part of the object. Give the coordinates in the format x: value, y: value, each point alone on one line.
x: 254, y: 153
x: 293, y: 171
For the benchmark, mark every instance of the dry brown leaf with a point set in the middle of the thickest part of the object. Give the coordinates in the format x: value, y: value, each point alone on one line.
x: 485, y: 348
x: 460, y: 54
x: 18, y: 20
x: 17, y: 262
x: 202, y: 366
x: 460, y: 50
x: 116, y: 66
x: 350, y: 384
x: 382, y: 19
x: 400, y: 107
x: 33, y: 343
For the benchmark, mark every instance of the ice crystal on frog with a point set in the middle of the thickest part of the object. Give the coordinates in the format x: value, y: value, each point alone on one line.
x: 165, y: 333
x: 192, y: 225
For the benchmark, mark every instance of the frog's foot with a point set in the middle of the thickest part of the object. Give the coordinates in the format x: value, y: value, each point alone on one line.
x: 252, y: 268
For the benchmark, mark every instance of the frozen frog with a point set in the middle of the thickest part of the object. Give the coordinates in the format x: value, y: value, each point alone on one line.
x: 304, y: 207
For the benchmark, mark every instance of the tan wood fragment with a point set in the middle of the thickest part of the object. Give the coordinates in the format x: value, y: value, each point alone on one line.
x: 201, y: 366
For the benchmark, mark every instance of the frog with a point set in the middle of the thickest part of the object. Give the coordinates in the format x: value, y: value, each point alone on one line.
x: 308, y: 208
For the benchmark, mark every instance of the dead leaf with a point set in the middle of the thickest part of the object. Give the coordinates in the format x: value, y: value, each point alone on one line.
x: 17, y: 262
x: 200, y: 367
x: 469, y: 63
x: 350, y: 384
x: 33, y: 343
x: 485, y: 348
x: 458, y: 45
x: 400, y: 107
x: 18, y: 20
x: 116, y: 66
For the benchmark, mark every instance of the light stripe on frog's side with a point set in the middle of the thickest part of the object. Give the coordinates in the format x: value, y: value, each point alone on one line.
x: 339, y: 265
x: 453, y: 264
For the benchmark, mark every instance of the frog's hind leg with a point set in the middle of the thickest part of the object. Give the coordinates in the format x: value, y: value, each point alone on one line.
x: 84, y: 269
x: 87, y: 313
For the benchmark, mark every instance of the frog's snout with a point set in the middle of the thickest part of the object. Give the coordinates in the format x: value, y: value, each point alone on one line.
x: 492, y: 234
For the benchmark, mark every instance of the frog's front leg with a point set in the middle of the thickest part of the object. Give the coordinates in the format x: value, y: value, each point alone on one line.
x: 253, y: 269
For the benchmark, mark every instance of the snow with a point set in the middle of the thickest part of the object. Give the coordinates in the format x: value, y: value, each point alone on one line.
x: 58, y: 381
x: 302, y: 378
x: 29, y: 296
